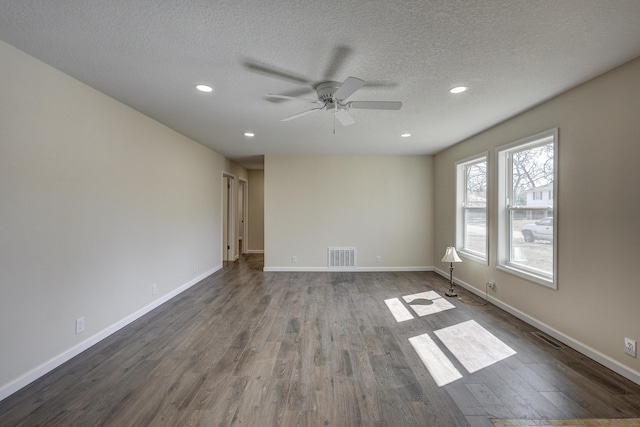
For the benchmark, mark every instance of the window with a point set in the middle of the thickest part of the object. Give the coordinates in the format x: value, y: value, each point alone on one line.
x: 471, y: 215
x: 527, y: 230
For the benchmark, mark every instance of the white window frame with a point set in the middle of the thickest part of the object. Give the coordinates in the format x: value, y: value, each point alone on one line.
x: 461, y: 207
x: 504, y: 208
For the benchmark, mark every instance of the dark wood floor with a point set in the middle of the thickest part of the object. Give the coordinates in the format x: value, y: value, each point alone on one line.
x: 244, y: 347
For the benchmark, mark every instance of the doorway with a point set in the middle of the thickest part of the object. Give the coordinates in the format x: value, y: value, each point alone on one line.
x: 242, y: 217
x: 227, y: 218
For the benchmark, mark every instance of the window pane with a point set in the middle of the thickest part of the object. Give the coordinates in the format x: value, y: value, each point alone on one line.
x: 532, y: 241
x: 532, y: 176
x: 532, y: 234
x: 476, y: 184
x: 471, y: 228
x: 475, y: 230
x: 527, y: 209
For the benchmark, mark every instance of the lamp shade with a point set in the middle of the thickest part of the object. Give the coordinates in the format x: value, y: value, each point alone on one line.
x: 451, y: 255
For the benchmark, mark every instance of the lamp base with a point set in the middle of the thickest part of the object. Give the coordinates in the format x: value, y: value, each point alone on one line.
x: 451, y: 292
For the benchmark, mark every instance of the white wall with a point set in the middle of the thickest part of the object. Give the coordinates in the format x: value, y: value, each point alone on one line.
x: 380, y: 204
x: 98, y: 202
x: 596, y: 304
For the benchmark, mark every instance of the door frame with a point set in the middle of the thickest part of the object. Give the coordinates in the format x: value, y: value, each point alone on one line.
x: 228, y: 214
x: 243, y: 203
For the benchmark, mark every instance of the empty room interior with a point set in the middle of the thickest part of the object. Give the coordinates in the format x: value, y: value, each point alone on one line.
x: 319, y: 213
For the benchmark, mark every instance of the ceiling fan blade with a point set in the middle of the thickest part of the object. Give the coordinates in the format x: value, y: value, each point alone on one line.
x: 375, y: 105
x: 347, y: 88
x: 275, y: 72
x: 338, y: 57
x: 344, y: 118
x: 304, y: 113
x: 298, y: 92
x: 295, y: 98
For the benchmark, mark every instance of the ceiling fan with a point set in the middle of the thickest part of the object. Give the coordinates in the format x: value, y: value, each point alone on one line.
x: 332, y: 97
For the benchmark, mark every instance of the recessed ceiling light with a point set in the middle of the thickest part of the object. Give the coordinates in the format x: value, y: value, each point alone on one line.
x: 458, y: 89
x: 249, y: 134
x: 405, y: 135
x: 204, y: 88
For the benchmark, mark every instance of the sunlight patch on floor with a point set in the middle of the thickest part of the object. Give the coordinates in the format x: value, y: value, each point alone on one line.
x: 433, y: 303
x: 398, y: 310
x: 437, y: 304
x: 473, y: 346
x: 431, y: 295
x: 437, y: 363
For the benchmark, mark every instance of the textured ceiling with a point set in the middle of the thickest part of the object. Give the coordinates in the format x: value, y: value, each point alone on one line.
x: 513, y: 54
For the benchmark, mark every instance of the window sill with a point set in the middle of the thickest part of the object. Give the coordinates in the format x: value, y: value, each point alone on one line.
x: 473, y: 257
x: 540, y: 280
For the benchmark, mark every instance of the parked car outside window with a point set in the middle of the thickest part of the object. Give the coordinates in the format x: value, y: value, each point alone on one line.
x: 541, y: 230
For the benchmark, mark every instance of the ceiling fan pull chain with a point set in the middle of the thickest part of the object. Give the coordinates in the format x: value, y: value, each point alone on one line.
x: 334, y: 122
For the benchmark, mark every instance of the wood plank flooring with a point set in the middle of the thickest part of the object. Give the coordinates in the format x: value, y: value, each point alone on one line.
x: 614, y: 422
x: 245, y: 347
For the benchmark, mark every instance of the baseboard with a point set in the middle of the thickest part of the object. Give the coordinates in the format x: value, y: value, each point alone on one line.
x: 351, y: 270
x: 255, y: 251
x: 603, y: 359
x: 392, y: 269
x: 26, y: 379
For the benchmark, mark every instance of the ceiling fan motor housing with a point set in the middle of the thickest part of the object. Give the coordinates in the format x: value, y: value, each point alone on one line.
x: 326, y: 90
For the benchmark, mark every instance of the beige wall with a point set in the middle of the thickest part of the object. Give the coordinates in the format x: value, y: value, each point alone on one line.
x: 380, y: 204
x: 98, y: 203
x: 256, y: 210
x: 596, y: 304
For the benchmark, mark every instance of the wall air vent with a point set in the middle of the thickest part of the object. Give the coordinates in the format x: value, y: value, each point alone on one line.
x: 341, y: 258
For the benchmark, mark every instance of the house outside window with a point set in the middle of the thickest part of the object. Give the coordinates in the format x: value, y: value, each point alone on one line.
x: 471, y: 212
x: 540, y: 196
x: 527, y: 220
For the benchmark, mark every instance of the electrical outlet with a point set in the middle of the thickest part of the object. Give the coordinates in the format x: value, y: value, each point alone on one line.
x: 294, y: 259
x: 630, y: 347
x: 492, y: 284
x: 154, y: 289
x: 378, y: 258
x: 79, y: 325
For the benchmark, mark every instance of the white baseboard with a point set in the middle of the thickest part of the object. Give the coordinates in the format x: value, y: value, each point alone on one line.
x: 8, y: 389
x: 603, y: 359
x: 255, y: 251
x: 374, y: 269
x: 348, y: 270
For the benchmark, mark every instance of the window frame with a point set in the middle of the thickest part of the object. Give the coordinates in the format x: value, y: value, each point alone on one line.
x: 505, y: 189
x: 461, y: 193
